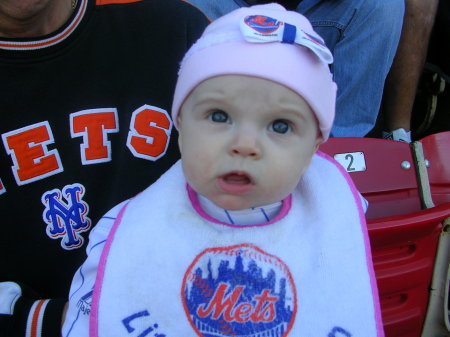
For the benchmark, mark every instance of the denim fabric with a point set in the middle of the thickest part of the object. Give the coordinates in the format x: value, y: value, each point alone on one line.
x: 363, y: 36
x: 215, y: 8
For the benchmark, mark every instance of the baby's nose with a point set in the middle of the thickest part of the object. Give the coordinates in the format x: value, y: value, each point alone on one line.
x: 246, y: 145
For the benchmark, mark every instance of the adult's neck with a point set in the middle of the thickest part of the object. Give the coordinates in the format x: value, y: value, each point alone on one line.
x: 32, y: 18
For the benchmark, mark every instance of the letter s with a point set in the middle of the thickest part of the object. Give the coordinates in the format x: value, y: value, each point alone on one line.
x: 149, y: 134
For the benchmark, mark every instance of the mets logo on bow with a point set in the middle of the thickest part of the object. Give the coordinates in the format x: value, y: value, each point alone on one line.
x: 262, y: 24
x: 239, y: 291
x: 67, y: 218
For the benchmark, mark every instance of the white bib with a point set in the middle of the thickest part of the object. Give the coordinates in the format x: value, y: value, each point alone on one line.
x: 168, y: 269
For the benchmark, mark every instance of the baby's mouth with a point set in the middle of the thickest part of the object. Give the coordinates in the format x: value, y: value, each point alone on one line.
x: 237, y: 178
x: 236, y: 182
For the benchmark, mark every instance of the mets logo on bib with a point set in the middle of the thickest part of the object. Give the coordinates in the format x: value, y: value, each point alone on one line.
x: 239, y: 291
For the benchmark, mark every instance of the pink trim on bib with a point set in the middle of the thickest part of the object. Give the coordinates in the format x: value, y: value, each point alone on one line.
x: 93, y: 319
x: 286, y: 206
x: 362, y: 218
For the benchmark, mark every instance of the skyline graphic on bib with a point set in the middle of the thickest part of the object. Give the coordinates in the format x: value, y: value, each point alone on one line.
x: 239, y: 291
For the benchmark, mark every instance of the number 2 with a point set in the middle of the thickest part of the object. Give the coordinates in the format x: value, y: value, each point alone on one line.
x: 349, y: 167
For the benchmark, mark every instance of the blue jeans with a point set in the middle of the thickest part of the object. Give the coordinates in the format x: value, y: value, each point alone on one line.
x: 363, y: 36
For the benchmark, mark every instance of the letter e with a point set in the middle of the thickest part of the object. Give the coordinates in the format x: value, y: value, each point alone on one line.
x: 28, y: 150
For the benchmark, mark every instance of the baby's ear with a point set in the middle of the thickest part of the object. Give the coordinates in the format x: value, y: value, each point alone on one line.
x: 178, y: 120
x: 179, y: 142
x: 319, y: 140
x: 179, y: 131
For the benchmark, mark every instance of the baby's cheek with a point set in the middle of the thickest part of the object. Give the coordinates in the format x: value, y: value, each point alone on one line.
x: 204, y: 163
x: 198, y: 166
x: 284, y: 179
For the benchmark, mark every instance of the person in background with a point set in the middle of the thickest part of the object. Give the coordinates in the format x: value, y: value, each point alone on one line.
x: 363, y: 37
x: 403, y: 78
x: 85, y: 90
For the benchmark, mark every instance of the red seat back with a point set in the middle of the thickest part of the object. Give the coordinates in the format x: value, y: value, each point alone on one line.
x: 389, y: 180
x: 436, y: 148
x: 403, y: 237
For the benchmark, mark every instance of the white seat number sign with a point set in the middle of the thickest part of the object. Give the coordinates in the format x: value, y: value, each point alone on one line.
x: 352, y: 161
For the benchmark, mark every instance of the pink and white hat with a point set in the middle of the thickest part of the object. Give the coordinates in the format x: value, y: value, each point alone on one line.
x: 268, y: 42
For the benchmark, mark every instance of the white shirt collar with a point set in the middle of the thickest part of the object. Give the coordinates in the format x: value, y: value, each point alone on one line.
x: 249, y: 216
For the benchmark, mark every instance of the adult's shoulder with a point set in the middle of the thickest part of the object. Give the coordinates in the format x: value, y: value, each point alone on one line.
x: 178, y: 17
x: 185, y: 13
x: 176, y: 9
x: 183, y: 6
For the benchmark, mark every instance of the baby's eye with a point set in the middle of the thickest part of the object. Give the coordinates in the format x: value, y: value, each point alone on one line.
x: 280, y: 126
x: 219, y: 116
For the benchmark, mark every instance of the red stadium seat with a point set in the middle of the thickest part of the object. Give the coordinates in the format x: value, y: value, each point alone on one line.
x: 436, y: 150
x: 387, y: 178
x: 404, y: 236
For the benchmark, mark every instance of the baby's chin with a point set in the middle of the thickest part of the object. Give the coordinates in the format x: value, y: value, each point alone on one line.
x: 232, y: 203
x: 237, y: 203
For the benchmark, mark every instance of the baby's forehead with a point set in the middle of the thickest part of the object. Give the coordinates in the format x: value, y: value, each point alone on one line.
x: 247, y: 93
x: 242, y: 85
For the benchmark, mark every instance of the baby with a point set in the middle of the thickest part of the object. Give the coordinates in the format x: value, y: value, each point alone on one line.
x: 254, y: 232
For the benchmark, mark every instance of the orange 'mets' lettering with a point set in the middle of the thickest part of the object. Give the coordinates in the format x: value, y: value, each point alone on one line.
x: 28, y: 150
x: 149, y: 132
x: 94, y: 125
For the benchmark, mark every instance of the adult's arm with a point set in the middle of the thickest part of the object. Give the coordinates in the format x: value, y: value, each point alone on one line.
x: 401, y: 83
x: 23, y: 313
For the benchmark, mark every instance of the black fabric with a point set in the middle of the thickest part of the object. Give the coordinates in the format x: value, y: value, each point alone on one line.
x: 439, y: 51
x: 288, y: 4
x: 51, y: 325
x: 15, y: 325
x: 430, y: 117
x: 121, y: 56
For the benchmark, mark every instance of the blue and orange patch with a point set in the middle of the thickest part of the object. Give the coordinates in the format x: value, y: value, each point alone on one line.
x: 263, y: 24
x: 239, y: 291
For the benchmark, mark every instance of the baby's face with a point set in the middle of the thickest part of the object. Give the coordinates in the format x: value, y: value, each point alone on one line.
x: 245, y: 141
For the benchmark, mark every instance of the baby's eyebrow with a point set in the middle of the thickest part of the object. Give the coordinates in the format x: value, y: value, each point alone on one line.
x: 216, y: 95
x: 292, y: 111
x: 210, y: 100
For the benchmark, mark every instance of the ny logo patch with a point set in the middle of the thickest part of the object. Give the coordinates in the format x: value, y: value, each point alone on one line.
x: 66, y: 218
